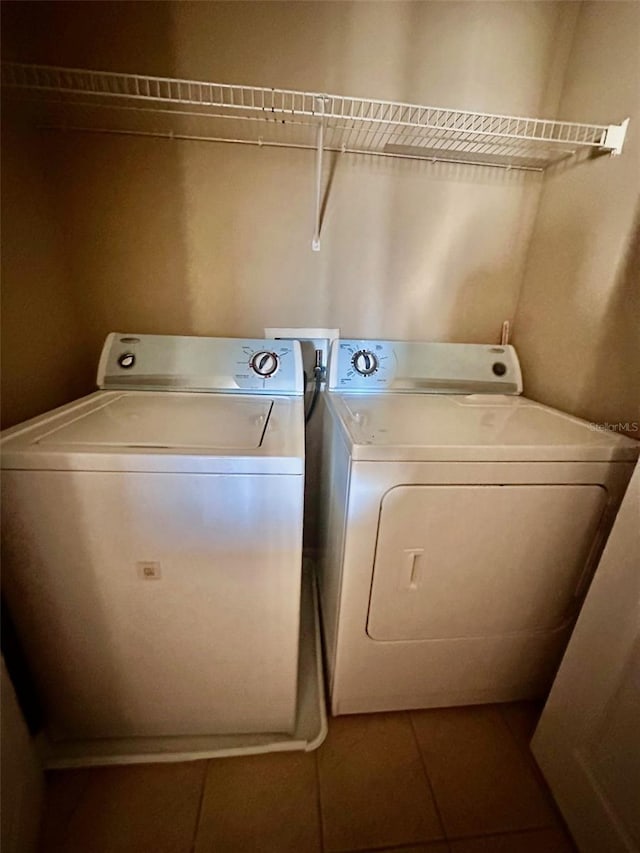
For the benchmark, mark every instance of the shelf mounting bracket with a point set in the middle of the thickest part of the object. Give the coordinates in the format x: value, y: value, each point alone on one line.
x: 614, y: 137
x: 315, y: 243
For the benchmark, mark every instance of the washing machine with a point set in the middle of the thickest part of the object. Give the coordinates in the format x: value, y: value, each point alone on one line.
x: 462, y: 524
x: 152, y: 541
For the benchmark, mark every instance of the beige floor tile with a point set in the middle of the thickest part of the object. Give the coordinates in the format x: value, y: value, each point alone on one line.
x: 482, y: 781
x: 536, y: 841
x: 372, y: 785
x: 266, y: 803
x: 63, y: 792
x: 137, y: 809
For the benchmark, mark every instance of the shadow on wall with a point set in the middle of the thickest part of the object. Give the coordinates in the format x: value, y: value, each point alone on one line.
x: 93, y: 227
x: 43, y: 341
x: 426, y: 266
x: 423, y: 250
x: 615, y: 366
x: 170, y: 236
x: 129, y: 261
x: 578, y: 334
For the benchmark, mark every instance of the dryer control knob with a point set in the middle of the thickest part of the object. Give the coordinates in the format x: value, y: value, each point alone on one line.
x: 365, y: 362
x: 264, y: 363
x: 126, y: 360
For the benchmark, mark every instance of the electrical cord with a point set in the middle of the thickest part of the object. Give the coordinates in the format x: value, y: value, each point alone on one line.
x: 314, y: 398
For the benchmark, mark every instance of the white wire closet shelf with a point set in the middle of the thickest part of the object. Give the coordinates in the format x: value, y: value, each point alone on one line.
x: 80, y: 99
x: 355, y: 125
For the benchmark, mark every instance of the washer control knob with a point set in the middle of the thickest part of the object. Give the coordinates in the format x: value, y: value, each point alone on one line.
x: 499, y: 368
x: 264, y: 363
x: 365, y: 362
x: 126, y: 360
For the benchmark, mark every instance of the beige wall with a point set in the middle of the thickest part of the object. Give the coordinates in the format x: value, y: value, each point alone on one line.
x: 176, y: 236
x: 44, y: 359
x: 577, y: 327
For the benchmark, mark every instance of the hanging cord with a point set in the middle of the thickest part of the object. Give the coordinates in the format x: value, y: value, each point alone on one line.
x: 318, y: 376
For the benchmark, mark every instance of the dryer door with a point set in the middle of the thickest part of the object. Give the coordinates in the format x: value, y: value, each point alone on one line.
x: 481, y: 561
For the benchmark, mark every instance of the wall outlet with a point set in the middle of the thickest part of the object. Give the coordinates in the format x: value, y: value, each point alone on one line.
x: 310, y: 341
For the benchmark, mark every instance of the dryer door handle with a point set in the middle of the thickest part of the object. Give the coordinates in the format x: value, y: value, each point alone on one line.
x: 411, y: 570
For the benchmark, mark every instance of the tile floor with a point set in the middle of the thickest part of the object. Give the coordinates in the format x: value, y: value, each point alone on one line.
x: 456, y: 780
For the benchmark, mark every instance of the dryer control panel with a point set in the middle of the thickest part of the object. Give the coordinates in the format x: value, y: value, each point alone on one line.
x: 422, y: 367
x: 189, y: 363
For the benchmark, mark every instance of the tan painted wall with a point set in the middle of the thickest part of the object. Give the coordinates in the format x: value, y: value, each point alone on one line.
x: 44, y: 358
x: 578, y: 323
x: 169, y: 236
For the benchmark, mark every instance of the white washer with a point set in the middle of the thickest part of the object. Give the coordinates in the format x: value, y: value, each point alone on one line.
x: 462, y: 525
x: 152, y: 541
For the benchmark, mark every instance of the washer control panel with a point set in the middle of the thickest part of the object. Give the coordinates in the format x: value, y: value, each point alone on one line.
x: 423, y: 367
x: 189, y: 363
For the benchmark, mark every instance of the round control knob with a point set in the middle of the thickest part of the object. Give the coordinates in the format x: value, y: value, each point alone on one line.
x: 126, y: 360
x: 365, y: 362
x: 499, y: 368
x: 264, y: 363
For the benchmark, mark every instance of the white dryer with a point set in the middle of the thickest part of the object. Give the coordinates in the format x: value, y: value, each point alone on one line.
x: 152, y: 541
x: 462, y: 525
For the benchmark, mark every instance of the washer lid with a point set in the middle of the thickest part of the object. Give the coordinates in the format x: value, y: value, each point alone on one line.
x: 166, y: 420
x: 421, y: 427
x: 164, y: 431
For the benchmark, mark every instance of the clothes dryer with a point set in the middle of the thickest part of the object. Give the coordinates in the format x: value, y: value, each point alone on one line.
x: 153, y: 541
x: 462, y: 524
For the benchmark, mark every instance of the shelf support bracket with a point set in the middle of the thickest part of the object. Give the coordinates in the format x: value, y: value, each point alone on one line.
x: 315, y: 243
x: 614, y: 137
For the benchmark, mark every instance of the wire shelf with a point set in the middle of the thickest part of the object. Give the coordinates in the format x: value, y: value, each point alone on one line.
x: 132, y: 103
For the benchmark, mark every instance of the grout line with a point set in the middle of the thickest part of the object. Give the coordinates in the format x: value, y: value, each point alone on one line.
x: 507, y: 833
x: 318, y: 798
x: 529, y: 761
x: 538, y: 775
x: 524, y: 750
x: 503, y: 832
x: 522, y: 746
x: 90, y: 773
x: 426, y: 774
x: 500, y: 707
x: 399, y: 847
x: 196, y: 828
